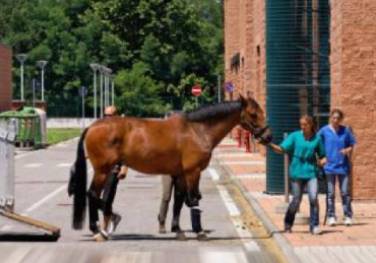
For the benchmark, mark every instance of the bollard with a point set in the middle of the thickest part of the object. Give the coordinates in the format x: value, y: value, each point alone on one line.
x: 247, y: 141
x: 239, y: 136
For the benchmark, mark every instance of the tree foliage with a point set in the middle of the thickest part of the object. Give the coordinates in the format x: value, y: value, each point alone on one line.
x: 157, y: 48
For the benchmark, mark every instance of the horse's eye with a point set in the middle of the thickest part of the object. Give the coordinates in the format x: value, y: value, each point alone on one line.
x: 253, y: 115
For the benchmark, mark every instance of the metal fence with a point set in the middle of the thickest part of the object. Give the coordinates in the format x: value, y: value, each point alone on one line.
x: 298, y: 72
x: 8, y: 131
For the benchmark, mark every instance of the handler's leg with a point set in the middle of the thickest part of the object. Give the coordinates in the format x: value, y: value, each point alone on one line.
x: 167, y: 185
x: 346, y: 198
x: 297, y: 191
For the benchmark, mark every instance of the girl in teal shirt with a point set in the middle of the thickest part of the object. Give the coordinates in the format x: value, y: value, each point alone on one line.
x: 306, y: 152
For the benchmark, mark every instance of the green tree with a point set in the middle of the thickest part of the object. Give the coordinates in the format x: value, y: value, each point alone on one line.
x: 172, y: 40
x: 139, y: 93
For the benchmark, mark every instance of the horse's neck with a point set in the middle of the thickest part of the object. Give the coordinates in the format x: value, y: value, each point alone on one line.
x: 217, y: 130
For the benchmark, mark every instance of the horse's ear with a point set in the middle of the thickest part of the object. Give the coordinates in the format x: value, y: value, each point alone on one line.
x: 243, y: 101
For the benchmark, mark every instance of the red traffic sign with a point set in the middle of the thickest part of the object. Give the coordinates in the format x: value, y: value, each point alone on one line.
x: 196, y: 90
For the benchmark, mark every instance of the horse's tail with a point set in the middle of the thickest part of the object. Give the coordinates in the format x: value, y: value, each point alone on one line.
x: 77, y: 184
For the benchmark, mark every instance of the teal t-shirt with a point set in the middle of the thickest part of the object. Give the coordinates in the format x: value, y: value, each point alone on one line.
x: 303, y: 153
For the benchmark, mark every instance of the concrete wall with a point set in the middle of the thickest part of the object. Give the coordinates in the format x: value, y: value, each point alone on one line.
x: 5, y: 78
x: 68, y: 122
x: 353, y: 84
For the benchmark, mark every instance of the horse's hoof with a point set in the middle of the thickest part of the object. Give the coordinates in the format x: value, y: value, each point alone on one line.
x: 101, y: 236
x: 175, y: 229
x: 162, y: 229
x: 181, y: 236
x: 201, y: 236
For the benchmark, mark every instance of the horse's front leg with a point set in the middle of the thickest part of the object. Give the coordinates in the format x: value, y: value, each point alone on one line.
x: 192, y: 180
x: 179, y: 198
x: 192, y: 200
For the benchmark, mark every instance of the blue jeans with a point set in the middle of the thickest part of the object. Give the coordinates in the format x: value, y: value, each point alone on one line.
x: 297, y: 188
x: 345, y: 194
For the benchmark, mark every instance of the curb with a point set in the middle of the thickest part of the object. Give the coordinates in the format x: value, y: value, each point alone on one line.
x: 281, y: 241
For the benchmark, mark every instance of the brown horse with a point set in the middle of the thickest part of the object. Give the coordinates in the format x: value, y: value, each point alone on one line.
x: 179, y: 146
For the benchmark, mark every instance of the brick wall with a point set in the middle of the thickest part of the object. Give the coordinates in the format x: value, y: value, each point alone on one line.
x: 5, y: 78
x: 353, y: 84
x: 244, y: 28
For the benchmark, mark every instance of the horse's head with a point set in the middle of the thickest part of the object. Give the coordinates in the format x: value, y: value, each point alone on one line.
x: 252, y: 119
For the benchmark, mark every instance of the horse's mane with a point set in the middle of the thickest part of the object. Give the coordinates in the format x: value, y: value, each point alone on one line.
x: 216, y: 111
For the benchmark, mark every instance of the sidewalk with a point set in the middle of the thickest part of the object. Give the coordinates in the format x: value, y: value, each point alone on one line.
x: 336, y: 244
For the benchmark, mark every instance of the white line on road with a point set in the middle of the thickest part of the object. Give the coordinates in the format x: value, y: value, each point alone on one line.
x: 44, y: 199
x: 223, y: 256
x: 48, y: 197
x: 214, y: 175
x: 33, y: 165
x: 64, y: 164
x: 244, y: 234
x: 229, y: 203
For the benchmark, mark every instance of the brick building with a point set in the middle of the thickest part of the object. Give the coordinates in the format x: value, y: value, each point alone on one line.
x: 5, y: 78
x: 330, y: 62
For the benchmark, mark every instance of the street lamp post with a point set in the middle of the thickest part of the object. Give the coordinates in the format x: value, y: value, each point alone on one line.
x: 108, y: 74
x: 101, y: 72
x: 105, y: 86
x: 22, y: 58
x: 112, y: 90
x: 95, y: 67
x: 42, y: 64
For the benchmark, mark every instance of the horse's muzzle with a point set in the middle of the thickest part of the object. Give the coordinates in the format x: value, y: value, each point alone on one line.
x: 263, y: 135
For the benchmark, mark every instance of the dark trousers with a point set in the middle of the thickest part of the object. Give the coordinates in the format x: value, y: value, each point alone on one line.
x: 297, y: 188
x: 109, y: 193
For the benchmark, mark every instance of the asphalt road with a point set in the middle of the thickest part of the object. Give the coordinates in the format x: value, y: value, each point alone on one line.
x: 41, y: 180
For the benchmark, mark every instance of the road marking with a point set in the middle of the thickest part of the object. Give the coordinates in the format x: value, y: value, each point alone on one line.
x: 64, y: 164
x: 244, y: 234
x: 44, y: 199
x: 33, y: 165
x: 223, y: 256
x: 213, y: 173
x: 6, y: 228
x: 229, y: 203
x: 47, y: 197
x: 243, y: 162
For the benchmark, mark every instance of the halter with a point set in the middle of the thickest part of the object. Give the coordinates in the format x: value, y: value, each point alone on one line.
x: 256, y: 132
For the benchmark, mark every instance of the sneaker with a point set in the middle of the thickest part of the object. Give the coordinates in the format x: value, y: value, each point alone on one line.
x: 316, y: 231
x: 162, y: 229
x: 114, y: 222
x: 348, y: 221
x: 332, y: 221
